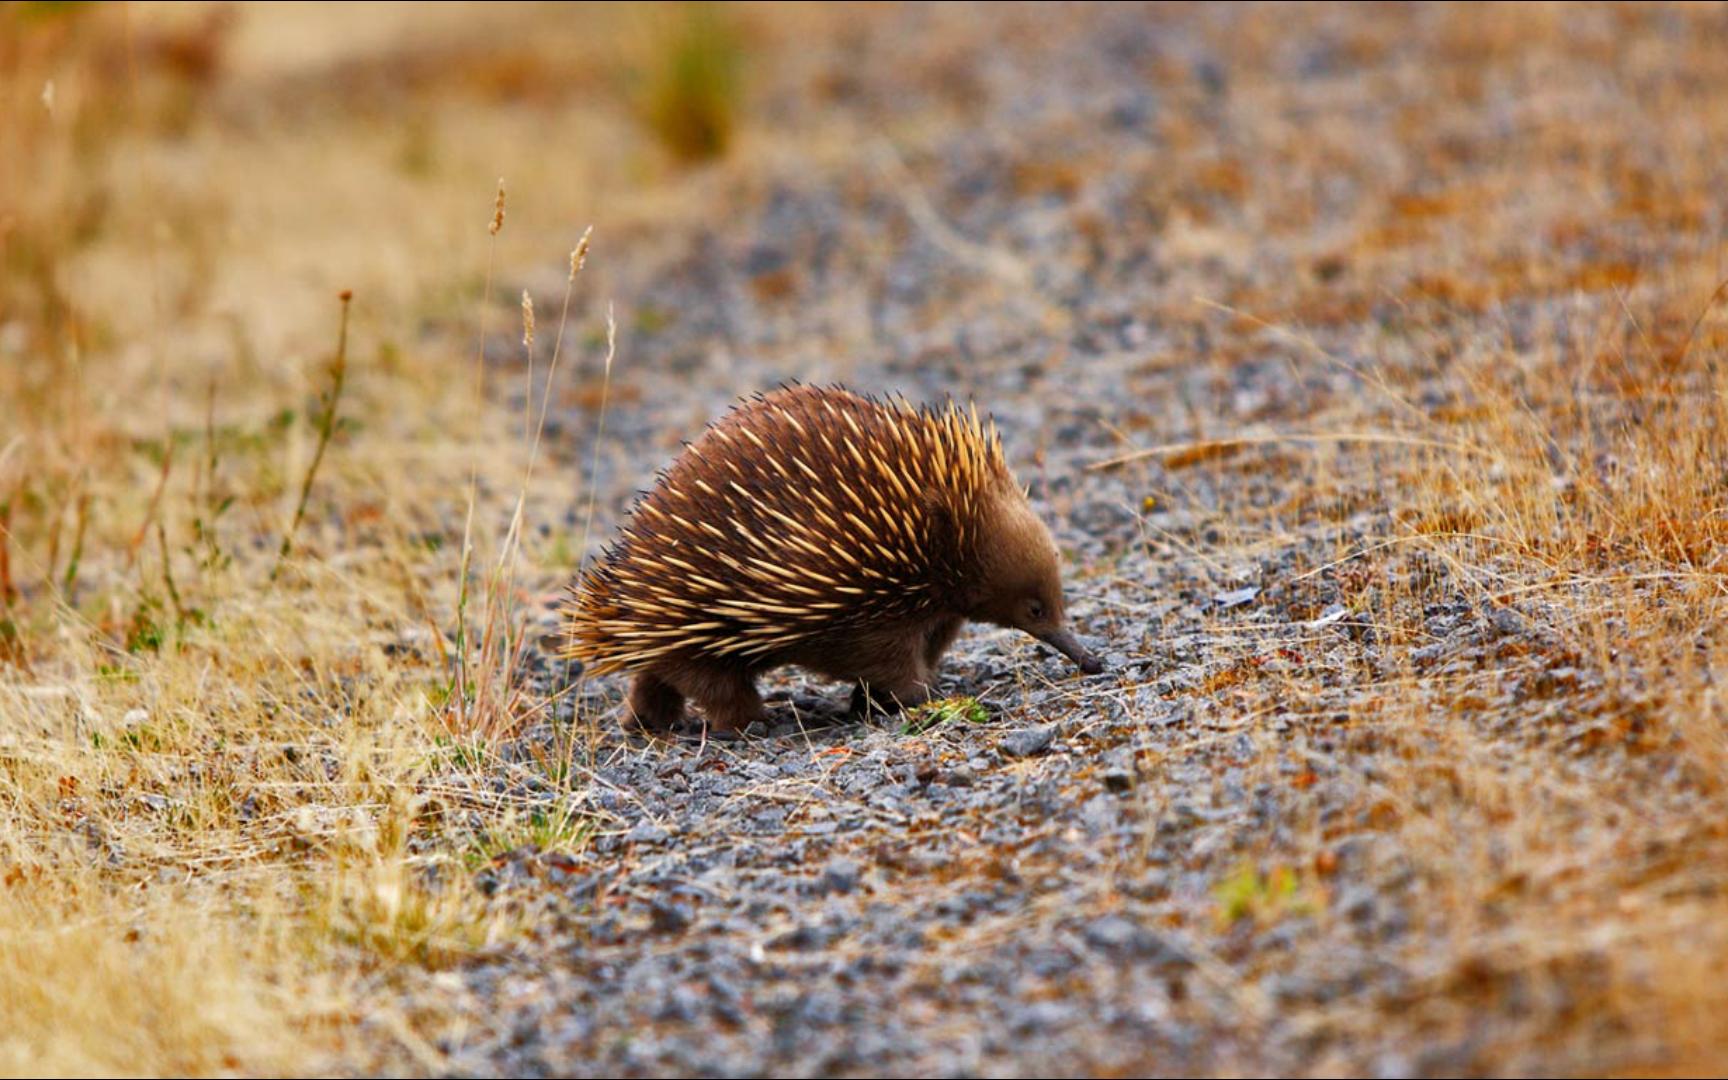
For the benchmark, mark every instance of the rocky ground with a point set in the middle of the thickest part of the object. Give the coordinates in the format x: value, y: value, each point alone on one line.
x: 1334, y: 802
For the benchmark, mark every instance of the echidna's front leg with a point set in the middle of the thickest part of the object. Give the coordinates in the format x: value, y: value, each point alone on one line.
x: 904, y: 676
x: 890, y: 695
x: 656, y: 706
x: 941, y: 636
x: 887, y: 699
x: 728, y: 699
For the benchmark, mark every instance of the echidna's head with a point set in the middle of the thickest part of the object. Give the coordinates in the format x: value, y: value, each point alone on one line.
x: 1020, y: 579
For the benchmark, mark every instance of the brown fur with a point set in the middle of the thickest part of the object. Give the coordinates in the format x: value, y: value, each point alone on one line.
x: 812, y: 526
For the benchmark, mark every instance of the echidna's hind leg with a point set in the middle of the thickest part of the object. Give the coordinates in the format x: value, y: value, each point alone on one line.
x: 656, y: 705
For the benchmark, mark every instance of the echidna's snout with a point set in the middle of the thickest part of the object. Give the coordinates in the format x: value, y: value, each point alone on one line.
x: 1063, y: 641
x: 1020, y: 579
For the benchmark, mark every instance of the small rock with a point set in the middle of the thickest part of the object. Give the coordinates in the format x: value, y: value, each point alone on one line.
x: 670, y: 918
x: 1027, y: 742
x: 646, y: 833
x: 1427, y: 654
x: 959, y: 776
x: 1237, y: 598
x: 1042, y: 1016
x: 1507, y: 621
x: 1119, y: 935
x: 802, y: 938
x: 840, y: 876
x: 1357, y: 903
x: 1329, y: 616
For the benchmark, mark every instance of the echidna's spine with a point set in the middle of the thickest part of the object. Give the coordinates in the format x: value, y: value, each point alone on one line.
x: 799, y: 513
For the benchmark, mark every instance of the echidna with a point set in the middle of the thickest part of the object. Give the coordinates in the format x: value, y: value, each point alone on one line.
x: 813, y: 526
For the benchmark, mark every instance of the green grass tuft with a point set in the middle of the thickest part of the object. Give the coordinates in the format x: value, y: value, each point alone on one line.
x: 935, y: 714
x: 691, y: 90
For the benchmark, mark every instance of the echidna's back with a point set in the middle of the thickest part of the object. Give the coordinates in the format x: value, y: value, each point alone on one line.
x: 798, y: 514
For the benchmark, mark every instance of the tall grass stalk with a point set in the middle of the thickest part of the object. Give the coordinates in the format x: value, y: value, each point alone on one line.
x: 326, y: 431
x: 459, y: 686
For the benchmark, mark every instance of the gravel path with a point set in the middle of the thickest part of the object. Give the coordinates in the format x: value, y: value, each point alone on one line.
x: 1115, y: 229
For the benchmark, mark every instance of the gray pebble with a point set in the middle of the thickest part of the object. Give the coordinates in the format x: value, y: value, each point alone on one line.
x: 1027, y: 742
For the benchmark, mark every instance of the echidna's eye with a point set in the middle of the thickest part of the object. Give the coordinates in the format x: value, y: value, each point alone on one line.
x: 1035, y: 609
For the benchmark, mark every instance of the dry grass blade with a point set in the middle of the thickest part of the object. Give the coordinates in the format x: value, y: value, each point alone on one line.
x: 330, y: 401
x: 1202, y: 449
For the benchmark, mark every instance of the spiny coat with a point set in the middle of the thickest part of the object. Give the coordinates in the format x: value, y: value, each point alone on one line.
x: 813, y: 526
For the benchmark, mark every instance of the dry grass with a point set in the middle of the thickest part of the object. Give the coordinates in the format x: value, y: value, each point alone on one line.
x: 1558, y: 800
x: 1595, y: 512
x: 260, y: 600
x: 238, y: 667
